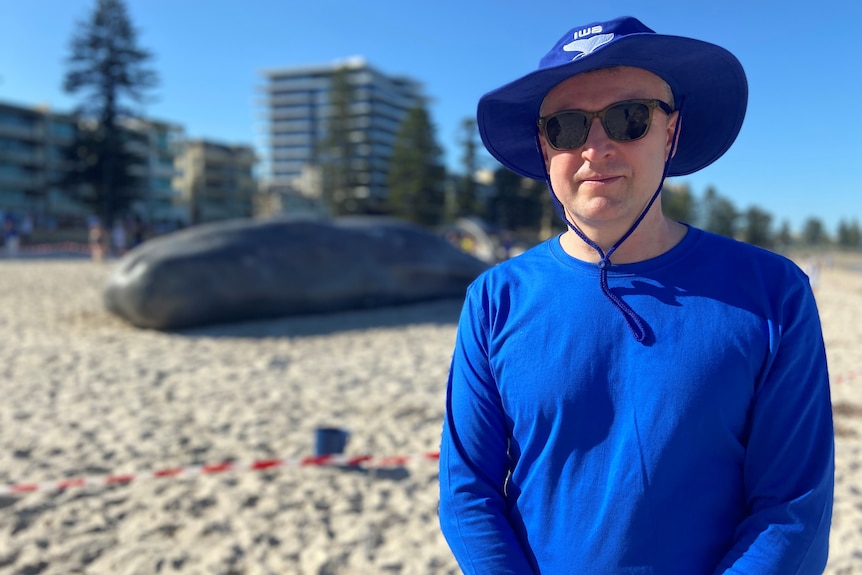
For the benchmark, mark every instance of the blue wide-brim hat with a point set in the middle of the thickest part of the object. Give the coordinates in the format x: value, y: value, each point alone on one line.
x: 707, y: 81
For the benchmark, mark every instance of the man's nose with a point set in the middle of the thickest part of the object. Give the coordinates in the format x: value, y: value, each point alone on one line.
x: 598, y: 141
x: 598, y: 144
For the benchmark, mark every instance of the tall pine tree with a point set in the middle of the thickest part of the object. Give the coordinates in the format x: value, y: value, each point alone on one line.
x: 336, y: 151
x: 813, y: 232
x: 719, y: 214
x: 416, y: 174
x: 108, y: 68
x: 677, y: 202
x: 758, y: 228
x: 849, y: 234
x: 468, y: 201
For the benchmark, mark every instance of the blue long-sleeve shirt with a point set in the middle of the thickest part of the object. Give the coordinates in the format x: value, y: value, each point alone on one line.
x: 569, y: 447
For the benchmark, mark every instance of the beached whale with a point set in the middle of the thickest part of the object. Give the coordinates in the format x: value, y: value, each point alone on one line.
x: 251, y: 269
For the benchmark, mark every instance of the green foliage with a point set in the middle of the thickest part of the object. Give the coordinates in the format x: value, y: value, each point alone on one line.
x: 506, y: 201
x: 519, y: 203
x: 337, y: 150
x: 849, y: 234
x: 719, y: 214
x: 468, y: 203
x: 758, y: 228
x: 677, y: 203
x: 416, y: 175
x: 813, y: 233
x: 95, y: 160
x: 107, y: 67
x: 784, y: 239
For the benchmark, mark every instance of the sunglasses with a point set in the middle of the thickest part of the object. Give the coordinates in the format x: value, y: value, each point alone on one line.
x: 624, y: 121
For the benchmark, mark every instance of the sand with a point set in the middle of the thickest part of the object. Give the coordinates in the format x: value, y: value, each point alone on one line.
x: 84, y: 394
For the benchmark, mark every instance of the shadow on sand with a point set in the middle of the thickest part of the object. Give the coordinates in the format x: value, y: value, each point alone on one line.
x: 438, y: 312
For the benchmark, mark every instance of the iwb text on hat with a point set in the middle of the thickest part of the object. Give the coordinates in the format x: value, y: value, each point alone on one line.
x: 588, y: 32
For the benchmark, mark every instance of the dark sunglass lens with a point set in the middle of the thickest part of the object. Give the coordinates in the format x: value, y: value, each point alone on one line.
x: 567, y: 131
x: 627, y: 121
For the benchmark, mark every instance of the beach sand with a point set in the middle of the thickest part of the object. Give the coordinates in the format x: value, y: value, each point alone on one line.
x: 84, y: 394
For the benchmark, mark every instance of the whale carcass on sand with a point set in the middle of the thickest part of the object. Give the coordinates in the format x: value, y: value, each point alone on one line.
x: 251, y: 269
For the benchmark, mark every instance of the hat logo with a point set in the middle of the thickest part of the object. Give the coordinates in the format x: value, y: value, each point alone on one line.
x: 584, y: 46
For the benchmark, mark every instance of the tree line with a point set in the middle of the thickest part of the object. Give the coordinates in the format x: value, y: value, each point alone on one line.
x: 753, y: 224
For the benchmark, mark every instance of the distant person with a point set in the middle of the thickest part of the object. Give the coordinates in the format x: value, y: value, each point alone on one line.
x: 137, y: 231
x: 118, y: 237
x: 26, y: 228
x: 11, y: 236
x: 812, y: 268
x: 634, y: 396
x: 98, y: 240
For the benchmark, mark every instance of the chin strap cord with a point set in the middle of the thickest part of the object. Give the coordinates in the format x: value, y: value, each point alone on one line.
x: 635, y: 323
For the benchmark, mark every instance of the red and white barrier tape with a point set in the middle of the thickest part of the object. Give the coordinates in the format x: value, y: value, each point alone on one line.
x: 336, y: 460
x: 193, y: 470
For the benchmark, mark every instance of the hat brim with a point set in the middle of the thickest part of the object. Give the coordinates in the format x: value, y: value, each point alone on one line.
x: 707, y: 81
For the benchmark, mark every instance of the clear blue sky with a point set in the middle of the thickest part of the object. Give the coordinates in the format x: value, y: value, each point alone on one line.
x: 799, y: 153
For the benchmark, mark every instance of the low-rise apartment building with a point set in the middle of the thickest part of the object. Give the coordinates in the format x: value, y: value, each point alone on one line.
x: 181, y: 181
x: 34, y: 151
x: 216, y: 181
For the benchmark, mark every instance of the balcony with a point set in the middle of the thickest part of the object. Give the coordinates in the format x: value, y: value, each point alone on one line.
x: 300, y: 113
x: 20, y: 180
x: 158, y: 170
x: 301, y: 139
x: 25, y: 157
x: 13, y: 199
x: 137, y: 147
x: 288, y: 84
x: 32, y: 133
x: 162, y: 194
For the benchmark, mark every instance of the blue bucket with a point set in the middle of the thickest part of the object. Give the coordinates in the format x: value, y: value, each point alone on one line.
x: 330, y: 440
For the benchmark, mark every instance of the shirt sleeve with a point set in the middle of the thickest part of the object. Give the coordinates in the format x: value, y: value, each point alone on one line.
x: 474, y: 461
x: 789, y: 465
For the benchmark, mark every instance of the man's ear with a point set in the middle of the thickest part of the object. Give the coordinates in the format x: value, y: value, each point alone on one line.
x: 544, y: 145
x: 673, y: 126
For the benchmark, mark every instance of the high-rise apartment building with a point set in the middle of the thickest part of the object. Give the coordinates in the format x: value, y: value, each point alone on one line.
x: 300, y: 107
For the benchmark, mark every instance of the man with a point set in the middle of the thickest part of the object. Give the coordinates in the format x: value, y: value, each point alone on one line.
x: 635, y: 396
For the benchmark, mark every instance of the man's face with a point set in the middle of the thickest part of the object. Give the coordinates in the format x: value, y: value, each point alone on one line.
x: 605, y: 184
